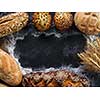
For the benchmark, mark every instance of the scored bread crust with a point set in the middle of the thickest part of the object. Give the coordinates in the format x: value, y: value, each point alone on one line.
x: 12, y: 23
x: 88, y: 22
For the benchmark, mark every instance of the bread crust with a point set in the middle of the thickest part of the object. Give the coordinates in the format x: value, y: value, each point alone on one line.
x: 56, y: 78
x: 88, y: 22
x: 12, y: 23
x: 10, y: 71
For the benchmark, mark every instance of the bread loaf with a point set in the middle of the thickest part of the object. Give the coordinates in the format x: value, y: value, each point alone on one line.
x: 10, y: 72
x: 12, y: 23
x: 56, y: 78
x: 88, y: 22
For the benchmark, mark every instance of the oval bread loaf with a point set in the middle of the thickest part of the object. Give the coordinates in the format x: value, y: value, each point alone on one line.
x: 10, y: 72
x: 12, y: 23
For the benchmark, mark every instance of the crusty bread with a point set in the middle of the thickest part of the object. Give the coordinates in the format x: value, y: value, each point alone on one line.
x: 88, y: 22
x: 12, y: 23
x: 56, y: 78
x: 10, y: 72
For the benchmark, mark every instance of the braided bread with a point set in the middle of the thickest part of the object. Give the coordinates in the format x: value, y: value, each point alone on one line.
x: 57, y: 78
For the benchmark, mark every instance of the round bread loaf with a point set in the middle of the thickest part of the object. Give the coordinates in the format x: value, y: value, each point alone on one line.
x: 88, y: 22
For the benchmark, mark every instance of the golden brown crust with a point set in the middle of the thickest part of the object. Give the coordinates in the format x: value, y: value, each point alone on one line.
x: 63, y: 20
x: 70, y: 83
x: 54, y: 79
x: 42, y: 20
x: 9, y: 70
x: 53, y: 83
x: 12, y: 23
x: 41, y: 83
x: 88, y: 22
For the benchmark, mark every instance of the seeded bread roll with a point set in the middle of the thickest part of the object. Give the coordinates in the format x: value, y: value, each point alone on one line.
x: 63, y: 20
x: 88, y: 22
x: 12, y: 23
x: 42, y: 20
x: 56, y: 78
x: 10, y: 72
